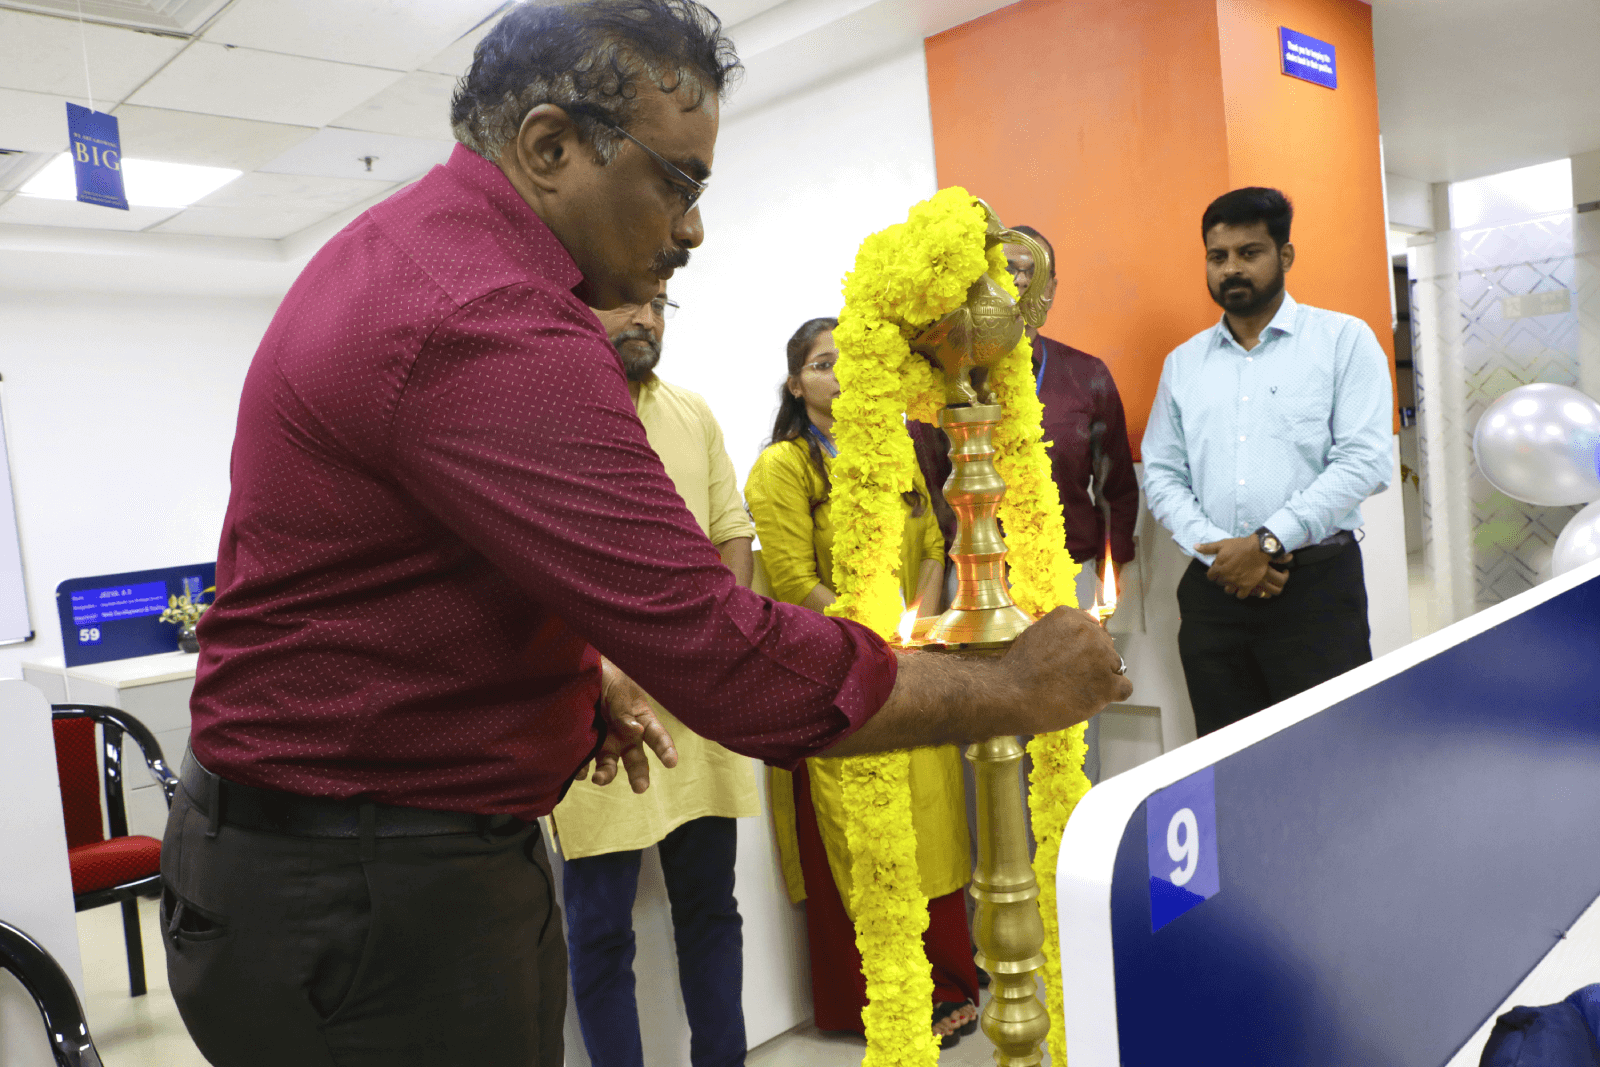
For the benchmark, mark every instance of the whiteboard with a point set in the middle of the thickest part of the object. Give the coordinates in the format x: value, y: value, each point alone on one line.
x: 15, y: 622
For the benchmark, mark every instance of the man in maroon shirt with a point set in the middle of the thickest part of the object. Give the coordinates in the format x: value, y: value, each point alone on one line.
x: 444, y: 509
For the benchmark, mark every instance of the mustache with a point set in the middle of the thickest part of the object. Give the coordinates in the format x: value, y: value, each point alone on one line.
x: 1237, y: 284
x: 670, y: 259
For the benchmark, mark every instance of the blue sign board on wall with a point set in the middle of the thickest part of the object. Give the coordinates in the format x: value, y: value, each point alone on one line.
x: 1307, y: 58
x: 118, y: 616
x: 96, y: 157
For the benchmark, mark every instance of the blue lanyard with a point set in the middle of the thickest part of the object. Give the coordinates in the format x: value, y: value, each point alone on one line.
x: 1044, y: 361
x: 822, y: 439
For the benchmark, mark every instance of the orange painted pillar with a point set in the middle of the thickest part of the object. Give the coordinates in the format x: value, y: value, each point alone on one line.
x: 1111, y: 124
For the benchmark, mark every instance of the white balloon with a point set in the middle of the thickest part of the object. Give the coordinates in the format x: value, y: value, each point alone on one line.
x: 1579, y: 542
x: 1540, y: 443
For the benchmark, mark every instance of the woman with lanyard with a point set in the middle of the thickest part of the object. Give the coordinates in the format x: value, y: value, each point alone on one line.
x: 788, y: 492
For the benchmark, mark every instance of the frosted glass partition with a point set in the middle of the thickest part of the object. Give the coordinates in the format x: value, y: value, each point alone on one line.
x: 1494, y: 308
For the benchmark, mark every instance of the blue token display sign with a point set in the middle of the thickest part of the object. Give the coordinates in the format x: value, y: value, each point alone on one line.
x: 118, y: 616
x: 1307, y: 58
x: 96, y: 157
x: 1181, y: 828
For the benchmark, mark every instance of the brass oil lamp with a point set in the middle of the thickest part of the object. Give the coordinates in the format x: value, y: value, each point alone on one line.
x: 983, y: 620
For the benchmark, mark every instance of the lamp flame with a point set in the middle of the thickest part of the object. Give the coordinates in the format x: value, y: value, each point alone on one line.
x: 908, y: 622
x: 1105, y: 596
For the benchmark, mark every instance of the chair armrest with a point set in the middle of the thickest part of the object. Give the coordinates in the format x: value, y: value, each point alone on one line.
x: 131, y: 726
x: 52, y: 992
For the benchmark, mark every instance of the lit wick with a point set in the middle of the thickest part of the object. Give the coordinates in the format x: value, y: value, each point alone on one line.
x: 1105, y: 595
x: 913, y: 631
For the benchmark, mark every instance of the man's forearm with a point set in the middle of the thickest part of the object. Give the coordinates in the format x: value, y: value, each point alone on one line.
x: 737, y: 557
x: 938, y: 700
x: 1058, y: 673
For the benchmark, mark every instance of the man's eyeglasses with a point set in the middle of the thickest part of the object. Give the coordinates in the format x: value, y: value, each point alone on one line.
x: 687, y: 188
x: 663, y: 307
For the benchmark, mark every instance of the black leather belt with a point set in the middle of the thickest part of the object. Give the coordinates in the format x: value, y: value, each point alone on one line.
x: 1322, y: 551
x: 269, y: 811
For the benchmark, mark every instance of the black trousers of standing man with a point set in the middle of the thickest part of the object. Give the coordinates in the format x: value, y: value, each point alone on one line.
x: 303, y: 932
x: 1240, y: 656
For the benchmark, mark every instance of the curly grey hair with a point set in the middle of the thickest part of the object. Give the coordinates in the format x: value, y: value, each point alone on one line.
x: 589, y: 57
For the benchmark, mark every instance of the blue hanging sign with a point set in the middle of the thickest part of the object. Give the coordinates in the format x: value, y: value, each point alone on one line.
x: 96, y: 157
x: 1181, y: 835
x: 1307, y: 58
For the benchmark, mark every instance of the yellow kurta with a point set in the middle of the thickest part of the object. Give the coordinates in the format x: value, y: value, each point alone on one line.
x: 709, y: 780
x: 796, y: 531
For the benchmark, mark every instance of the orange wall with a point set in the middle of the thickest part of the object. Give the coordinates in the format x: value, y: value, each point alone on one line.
x: 1318, y: 145
x: 1111, y: 124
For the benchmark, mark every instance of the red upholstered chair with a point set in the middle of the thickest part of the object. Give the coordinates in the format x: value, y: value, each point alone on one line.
x: 119, y: 867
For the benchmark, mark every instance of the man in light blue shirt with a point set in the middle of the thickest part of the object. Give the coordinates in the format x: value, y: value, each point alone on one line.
x: 1267, y: 433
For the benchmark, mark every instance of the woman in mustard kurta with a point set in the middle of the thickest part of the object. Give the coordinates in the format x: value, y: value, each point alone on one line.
x: 788, y: 492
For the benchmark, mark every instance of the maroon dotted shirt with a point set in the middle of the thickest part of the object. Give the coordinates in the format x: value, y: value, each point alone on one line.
x: 443, y: 503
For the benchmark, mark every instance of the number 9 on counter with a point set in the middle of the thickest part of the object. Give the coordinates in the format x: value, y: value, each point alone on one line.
x: 1182, y: 836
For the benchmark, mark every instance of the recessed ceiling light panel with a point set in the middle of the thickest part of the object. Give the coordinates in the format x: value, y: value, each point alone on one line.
x: 148, y: 183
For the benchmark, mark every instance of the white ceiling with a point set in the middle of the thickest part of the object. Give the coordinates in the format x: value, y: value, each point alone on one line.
x: 298, y: 93
x: 1474, y: 87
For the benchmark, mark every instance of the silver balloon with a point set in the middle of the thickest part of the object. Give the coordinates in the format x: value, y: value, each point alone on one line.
x: 1579, y: 542
x: 1541, y: 443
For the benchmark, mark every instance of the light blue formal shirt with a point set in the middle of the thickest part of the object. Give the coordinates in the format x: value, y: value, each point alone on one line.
x: 1292, y: 435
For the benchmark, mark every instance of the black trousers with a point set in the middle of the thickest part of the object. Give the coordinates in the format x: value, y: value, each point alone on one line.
x: 436, y: 951
x: 1240, y: 656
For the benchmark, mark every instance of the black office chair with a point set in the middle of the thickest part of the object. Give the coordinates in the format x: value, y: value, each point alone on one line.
x: 44, y: 980
x: 117, y: 868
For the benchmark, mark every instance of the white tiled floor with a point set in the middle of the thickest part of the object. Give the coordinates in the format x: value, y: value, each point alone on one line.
x: 147, y: 1032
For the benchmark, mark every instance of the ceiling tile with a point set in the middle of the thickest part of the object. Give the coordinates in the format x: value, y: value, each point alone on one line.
x: 34, y: 211
x: 45, y: 55
x: 286, y: 191
x: 340, y: 154
x: 242, y: 222
x: 172, y: 16
x: 245, y: 84
x: 455, y: 60
x: 205, y: 140
x: 34, y: 122
x: 417, y: 105
x: 397, y: 34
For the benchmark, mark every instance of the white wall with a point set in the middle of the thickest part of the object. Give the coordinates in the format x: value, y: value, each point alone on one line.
x: 796, y: 186
x: 120, y: 412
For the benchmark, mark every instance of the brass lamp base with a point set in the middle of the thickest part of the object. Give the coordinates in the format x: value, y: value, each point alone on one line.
x: 1007, y: 926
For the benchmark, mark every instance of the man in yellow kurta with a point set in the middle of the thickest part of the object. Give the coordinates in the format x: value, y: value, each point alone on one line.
x: 688, y: 812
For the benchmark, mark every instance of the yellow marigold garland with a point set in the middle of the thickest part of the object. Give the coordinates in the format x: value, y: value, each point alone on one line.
x: 905, y: 278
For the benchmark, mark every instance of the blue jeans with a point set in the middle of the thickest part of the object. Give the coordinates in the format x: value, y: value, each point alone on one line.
x: 697, y: 859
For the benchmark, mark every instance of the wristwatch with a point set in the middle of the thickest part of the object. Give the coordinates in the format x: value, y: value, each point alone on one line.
x: 1270, y: 544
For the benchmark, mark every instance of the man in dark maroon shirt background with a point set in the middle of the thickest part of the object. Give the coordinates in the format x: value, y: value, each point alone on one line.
x: 443, y: 510
x: 1089, y: 454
